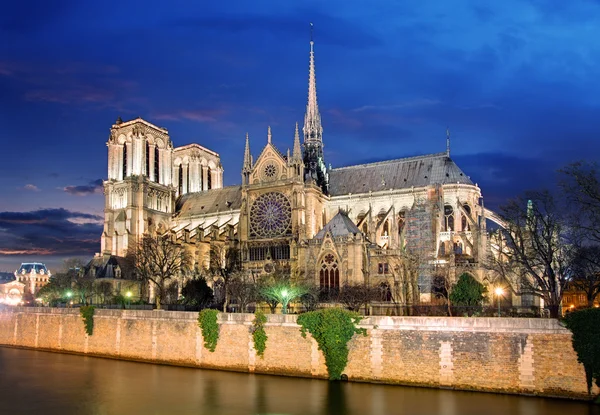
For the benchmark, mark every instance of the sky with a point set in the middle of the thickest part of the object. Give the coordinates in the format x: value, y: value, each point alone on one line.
x: 516, y: 83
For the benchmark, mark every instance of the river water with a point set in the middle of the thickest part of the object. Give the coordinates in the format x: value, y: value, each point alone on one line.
x: 33, y: 382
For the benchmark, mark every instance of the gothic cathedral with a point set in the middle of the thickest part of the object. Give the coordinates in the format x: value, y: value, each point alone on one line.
x: 353, y: 224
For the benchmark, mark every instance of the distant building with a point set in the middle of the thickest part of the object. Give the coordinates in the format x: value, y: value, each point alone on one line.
x: 11, y: 290
x: 34, y: 275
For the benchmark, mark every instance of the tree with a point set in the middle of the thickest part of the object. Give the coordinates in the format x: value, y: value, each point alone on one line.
x: 158, y: 260
x: 533, y: 252
x: 467, y: 291
x: 103, y: 291
x: 196, y: 292
x: 580, y: 183
x: 354, y: 296
x: 586, y: 272
x: 242, y: 288
x: 225, y: 262
x: 283, y: 286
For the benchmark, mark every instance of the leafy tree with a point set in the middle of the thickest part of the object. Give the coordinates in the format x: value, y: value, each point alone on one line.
x: 158, y: 260
x: 467, y: 291
x: 282, y: 287
x: 196, y: 292
x: 585, y: 325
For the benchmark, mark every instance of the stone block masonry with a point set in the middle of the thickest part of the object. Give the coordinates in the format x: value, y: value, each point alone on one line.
x: 520, y: 356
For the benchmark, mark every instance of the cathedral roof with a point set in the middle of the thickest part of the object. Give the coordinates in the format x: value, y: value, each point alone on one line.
x: 339, y: 225
x: 402, y: 173
x: 211, y: 201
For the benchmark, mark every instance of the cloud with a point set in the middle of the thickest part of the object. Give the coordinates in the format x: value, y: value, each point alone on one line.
x: 416, y: 103
x: 202, y: 116
x: 95, y: 186
x: 49, y: 232
x: 31, y: 187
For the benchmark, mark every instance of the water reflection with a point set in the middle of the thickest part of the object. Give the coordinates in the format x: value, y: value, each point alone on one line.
x: 49, y: 383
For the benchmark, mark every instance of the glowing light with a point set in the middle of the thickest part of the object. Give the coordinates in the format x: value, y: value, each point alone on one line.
x: 128, y: 294
x: 69, y: 294
x: 499, y: 291
x: 284, y: 293
x: 571, y: 306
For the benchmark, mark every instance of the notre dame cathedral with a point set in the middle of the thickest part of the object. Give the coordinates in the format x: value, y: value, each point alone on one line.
x: 351, y: 224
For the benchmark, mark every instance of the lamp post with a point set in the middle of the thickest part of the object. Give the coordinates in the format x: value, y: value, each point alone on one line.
x: 128, y: 295
x: 69, y: 295
x: 284, y: 300
x: 499, y: 291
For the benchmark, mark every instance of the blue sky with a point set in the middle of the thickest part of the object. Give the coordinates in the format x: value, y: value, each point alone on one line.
x: 515, y: 81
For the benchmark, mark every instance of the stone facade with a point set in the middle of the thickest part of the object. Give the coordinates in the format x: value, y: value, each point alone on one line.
x: 522, y: 356
x: 280, y: 213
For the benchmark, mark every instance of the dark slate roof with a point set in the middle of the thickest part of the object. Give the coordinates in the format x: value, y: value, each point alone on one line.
x: 402, y: 173
x: 210, y: 201
x: 105, y: 267
x: 339, y: 225
x: 28, y: 266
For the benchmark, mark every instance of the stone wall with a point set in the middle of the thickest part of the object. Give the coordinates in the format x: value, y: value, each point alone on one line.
x: 524, y: 356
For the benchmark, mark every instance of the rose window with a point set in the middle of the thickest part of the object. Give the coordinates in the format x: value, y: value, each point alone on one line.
x: 270, y: 216
x: 270, y: 171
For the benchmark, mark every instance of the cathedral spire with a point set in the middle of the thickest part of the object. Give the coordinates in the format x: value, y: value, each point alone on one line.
x: 247, y: 157
x: 313, y: 130
x: 447, y: 142
x: 297, y: 152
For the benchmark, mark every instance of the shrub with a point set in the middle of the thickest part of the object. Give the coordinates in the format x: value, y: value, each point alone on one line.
x: 467, y: 291
x: 258, y: 333
x: 585, y: 325
x: 207, y: 320
x: 87, y: 315
x: 332, y: 328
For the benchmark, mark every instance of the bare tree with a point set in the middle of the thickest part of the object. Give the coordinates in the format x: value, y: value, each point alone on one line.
x: 225, y: 263
x: 533, y: 253
x: 404, y: 267
x: 580, y: 183
x: 157, y: 260
x: 354, y: 296
x: 586, y: 272
x: 242, y: 288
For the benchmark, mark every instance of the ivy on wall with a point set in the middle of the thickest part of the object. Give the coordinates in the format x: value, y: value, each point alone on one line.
x: 87, y: 315
x: 259, y: 335
x: 207, y: 320
x: 332, y: 328
x: 585, y: 325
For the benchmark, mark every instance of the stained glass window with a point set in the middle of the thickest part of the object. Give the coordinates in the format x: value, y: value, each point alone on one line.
x: 270, y: 216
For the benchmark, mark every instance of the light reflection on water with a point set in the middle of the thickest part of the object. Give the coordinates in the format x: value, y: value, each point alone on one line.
x: 50, y: 383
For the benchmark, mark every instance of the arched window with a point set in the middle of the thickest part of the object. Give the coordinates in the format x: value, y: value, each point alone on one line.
x: 124, y: 160
x: 180, y: 175
x: 329, y: 274
x: 464, y: 222
x: 156, y: 163
x: 208, y: 179
x: 386, y: 229
x: 448, y: 218
x: 147, y: 159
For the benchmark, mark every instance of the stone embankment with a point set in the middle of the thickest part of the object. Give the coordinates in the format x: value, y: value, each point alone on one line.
x: 521, y: 356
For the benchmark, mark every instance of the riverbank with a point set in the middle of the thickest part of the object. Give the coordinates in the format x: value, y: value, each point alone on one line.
x: 518, y: 356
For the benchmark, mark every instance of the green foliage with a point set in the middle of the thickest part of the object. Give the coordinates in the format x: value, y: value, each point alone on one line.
x: 467, y: 291
x: 207, y: 320
x: 258, y: 333
x: 585, y: 325
x: 282, y: 292
x: 332, y: 328
x: 87, y: 314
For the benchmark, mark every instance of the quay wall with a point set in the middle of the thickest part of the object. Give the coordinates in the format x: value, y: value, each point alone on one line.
x: 507, y: 355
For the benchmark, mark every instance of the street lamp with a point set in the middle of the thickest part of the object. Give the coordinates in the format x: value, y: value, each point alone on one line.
x: 128, y: 295
x: 284, y: 300
x: 499, y: 291
x: 69, y: 295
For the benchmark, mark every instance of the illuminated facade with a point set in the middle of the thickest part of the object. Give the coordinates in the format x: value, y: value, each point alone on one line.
x: 342, y: 225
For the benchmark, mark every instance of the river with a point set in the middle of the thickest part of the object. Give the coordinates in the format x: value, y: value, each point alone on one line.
x: 34, y: 382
